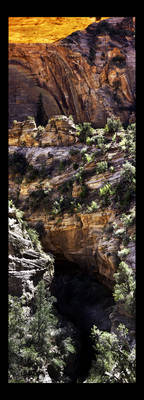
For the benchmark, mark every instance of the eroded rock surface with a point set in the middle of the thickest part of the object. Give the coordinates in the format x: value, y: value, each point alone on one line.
x: 57, y: 185
x: 89, y: 74
x: 28, y: 264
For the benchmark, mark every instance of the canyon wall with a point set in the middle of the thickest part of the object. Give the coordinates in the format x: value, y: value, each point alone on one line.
x: 71, y: 171
x: 57, y: 181
x: 90, y: 74
x: 54, y: 173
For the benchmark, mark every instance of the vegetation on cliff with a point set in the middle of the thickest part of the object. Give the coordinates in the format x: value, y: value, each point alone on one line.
x: 72, y: 184
x: 36, y: 343
x: 96, y: 157
x: 115, y: 357
x: 115, y: 352
x: 40, y: 344
x: 97, y: 174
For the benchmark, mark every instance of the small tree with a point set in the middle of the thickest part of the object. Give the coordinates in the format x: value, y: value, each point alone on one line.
x: 17, y: 332
x: 105, y: 193
x: 113, y: 125
x: 43, y: 318
x: 115, y: 358
x: 125, y: 287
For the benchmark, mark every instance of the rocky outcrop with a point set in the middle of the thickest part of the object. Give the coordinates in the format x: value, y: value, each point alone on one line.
x: 28, y: 264
x: 60, y: 131
x: 23, y: 133
x: 89, y: 74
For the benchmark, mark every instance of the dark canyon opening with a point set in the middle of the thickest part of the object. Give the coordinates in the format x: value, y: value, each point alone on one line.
x: 85, y: 302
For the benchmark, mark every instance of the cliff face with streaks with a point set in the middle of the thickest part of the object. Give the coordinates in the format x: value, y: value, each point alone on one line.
x: 89, y: 74
x: 71, y: 171
x: 70, y: 182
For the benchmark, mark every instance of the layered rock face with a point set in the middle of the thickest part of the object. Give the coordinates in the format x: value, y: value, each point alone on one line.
x: 27, y: 262
x: 57, y: 180
x: 89, y: 74
x: 74, y: 182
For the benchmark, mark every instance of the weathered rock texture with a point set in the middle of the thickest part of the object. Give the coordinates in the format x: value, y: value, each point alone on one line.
x: 27, y: 263
x: 55, y: 186
x: 60, y: 131
x: 89, y: 74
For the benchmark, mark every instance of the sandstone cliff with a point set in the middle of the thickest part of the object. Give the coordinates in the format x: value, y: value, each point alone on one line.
x: 75, y: 186
x: 89, y: 74
x: 74, y: 178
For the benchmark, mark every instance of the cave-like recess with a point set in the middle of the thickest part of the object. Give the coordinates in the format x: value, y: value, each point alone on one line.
x: 85, y: 302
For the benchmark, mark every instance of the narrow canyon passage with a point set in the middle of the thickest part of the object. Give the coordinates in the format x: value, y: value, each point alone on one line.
x: 85, y: 302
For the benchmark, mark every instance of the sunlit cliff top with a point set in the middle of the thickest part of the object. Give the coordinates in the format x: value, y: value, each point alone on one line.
x: 45, y: 29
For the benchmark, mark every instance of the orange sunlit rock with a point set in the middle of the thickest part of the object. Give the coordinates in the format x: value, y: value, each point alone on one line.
x: 45, y: 29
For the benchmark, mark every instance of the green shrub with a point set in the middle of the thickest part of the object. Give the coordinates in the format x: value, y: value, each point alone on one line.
x: 123, y: 143
x: 78, y: 206
x: 105, y: 192
x: 128, y: 142
x: 123, y: 253
x: 34, y: 236
x: 93, y: 207
x: 128, y: 219
x: 30, y: 118
x: 124, y: 289
x: 87, y: 157
x: 101, y: 167
x: 84, y: 130
x: 113, y: 125
x: 36, y: 339
x: 106, y: 189
x: 79, y: 175
x: 68, y: 345
x: 19, y: 215
x: 43, y: 317
x: 92, y: 140
x: 128, y: 173
x: 125, y: 188
x: 56, y: 208
x: 115, y: 358
x: 10, y: 204
x: 88, y: 140
x: 120, y: 233
x: 64, y: 203
x: 40, y: 128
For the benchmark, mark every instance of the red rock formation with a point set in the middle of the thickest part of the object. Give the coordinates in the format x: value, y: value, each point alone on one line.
x: 89, y: 74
